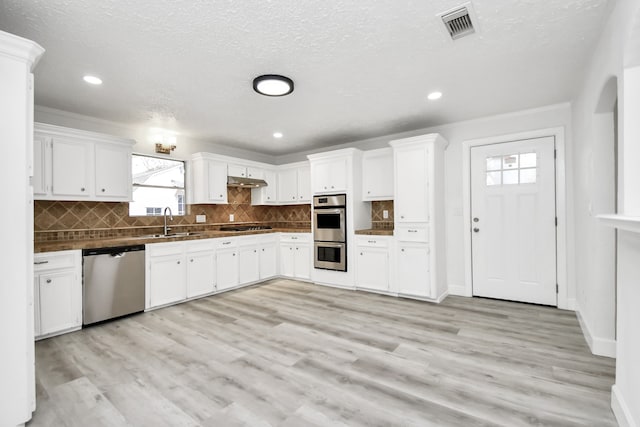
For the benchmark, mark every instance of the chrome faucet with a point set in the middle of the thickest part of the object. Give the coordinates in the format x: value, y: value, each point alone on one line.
x: 166, y: 229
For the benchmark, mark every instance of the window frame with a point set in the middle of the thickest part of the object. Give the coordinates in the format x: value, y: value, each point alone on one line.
x: 166, y: 187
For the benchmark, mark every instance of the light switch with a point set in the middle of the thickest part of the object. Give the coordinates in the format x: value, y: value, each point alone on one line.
x: 201, y: 218
x: 385, y: 214
x: 231, y: 218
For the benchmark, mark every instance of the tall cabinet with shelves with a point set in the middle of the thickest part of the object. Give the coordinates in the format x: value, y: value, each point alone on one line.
x: 419, y: 216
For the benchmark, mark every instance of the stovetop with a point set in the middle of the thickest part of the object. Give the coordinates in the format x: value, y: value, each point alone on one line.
x: 245, y: 228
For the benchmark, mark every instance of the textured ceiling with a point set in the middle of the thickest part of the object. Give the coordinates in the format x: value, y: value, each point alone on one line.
x: 361, y: 69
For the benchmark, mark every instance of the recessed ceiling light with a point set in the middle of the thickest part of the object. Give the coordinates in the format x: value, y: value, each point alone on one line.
x: 273, y: 85
x: 434, y: 95
x: 92, y: 80
x: 277, y: 135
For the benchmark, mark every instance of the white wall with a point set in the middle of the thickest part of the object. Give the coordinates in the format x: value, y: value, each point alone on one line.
x: 186, y: 145
x: 595, y: 291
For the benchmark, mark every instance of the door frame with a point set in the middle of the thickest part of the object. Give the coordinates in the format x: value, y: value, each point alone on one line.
x: 565, y: 301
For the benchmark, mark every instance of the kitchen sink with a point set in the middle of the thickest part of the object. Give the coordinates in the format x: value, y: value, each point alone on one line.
x: 170, y: 235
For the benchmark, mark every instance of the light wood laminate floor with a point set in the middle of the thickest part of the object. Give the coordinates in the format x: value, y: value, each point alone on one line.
x: 293, y: 354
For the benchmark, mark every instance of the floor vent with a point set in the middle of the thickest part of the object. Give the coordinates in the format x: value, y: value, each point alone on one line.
x: 458, y: 22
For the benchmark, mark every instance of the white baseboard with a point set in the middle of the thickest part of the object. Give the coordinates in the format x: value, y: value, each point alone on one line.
x: 621, y: 409
x: 599, y: 346
x: 459, y: 290
x: 571, y: 304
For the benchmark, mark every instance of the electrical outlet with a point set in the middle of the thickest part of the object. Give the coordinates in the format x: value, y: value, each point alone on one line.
x: 201, y: 218
x: 231, y: 218
x: 385, y: 214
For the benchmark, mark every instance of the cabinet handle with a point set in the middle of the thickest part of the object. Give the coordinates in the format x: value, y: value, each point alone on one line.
x: 268, y: 197
x: 254, y: 251
x: 294, y: 197
x: 301, y: 197
x: 402, y: 250
x: 294, y: 238
x: 401, y: 216
x: 48, y: 280
x: 103, y: 190
x: 226, y: 243
x: 325, y: 187
x: 191, y: 260
x: 360, y: 253
x: 371, y: 241
x: 40, y: 262
x: 412, y: 231
x: 368, y: 192
x: 290, y: 249
x: 296, y: 249
x: 82, y: 189
x: 263, y: 250
x: 332, y: 187
x: 234, y: 254
x: 178, y: 262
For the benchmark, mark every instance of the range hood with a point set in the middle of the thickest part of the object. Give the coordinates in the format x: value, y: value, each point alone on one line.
x: 240, y: 181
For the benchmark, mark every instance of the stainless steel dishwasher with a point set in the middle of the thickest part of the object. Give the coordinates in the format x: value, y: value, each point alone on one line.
x: 113, y: 283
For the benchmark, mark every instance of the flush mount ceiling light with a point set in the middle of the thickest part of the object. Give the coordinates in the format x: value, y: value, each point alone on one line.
x: 434, y: 95
x: 92, y: 80
x: 273, y: 85
x: 277, y: 135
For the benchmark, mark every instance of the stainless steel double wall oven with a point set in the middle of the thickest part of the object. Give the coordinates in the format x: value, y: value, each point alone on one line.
x: 330, y: 232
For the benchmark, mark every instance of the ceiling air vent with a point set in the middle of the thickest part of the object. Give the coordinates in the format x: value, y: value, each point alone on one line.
x: 458, y: 22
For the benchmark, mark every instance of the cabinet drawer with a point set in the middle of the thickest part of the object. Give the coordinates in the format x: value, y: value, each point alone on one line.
x: 55, y: 260
x: 164, y: 249
x: 373, y: 241
x: 412, y: 233
x: 200, y: 245
x: 295, y: 237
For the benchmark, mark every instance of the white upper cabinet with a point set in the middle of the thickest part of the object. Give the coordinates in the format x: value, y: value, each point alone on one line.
x: 70, y: 168
x: 294, y: 184
x: 266, y: 195
x: 377, y: 175
x: 207, y: 180
x: 329, y: 175
x: 113, y: 171
x: 412, y: 184
x: 70, y: 164
x: 245, y: 171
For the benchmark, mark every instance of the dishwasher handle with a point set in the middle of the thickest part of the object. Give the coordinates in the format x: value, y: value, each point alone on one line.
x: 115, y: 252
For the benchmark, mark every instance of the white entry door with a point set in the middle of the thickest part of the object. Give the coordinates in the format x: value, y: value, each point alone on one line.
x: 513, y: 221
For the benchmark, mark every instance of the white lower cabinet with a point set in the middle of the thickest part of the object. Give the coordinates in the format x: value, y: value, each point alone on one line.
x: 372, y: 263
x: 249, y: 262
x: 413, y: 276
x: 227, y: 275
x: 268, y: 258
x: 295, y: 255
x: 57, y: 292
x: 166, y: 274
x: 201, y: 268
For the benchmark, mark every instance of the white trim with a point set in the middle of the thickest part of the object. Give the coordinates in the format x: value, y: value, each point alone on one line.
x: 459, y: 290
x: 571, y: 304
x: 19, y: 48
x: 84, y: 135
x: 621, y: 409
x: 561, y: 204
x: 598, y: 346
x: 621, y: 222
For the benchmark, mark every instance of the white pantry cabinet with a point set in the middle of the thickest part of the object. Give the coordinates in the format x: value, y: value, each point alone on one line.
x: 295, y: 255
x: 372, y: 262
x: 419, y: 216
x: 57, y: 292
x: 294, y: 184
x: 377, y: 175
x: 71, y: 164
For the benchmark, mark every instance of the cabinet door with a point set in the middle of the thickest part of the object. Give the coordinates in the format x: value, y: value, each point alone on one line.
x: 39, y: 179
x: 237, y: 170
x: 377, y: 177
x: 227, y: 268
x: 36, y: 307
x: 271, y: 190
x: 71, y: 163
x: 287, y: 259
x: 411, y: 199
x: 372, y: 268
x: 217, y: 182
x: 321, y: 176
x: 304, y: 184
x: 255, y: 173
x: 113, y: 172
x: 167, y: 282
x: 201, y: 275
x: 338, y: 175
x: 58, y: 302
x: 249, y: 264
x: 288, y: 186
x: 302, y: 260
x: 413, y: 270
x: 268, y: 261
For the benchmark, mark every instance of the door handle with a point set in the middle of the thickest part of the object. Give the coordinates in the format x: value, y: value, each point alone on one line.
x: 475, y: 230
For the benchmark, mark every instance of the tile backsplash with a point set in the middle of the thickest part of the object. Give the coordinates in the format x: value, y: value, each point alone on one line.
x: 377, y: 220
x: 75, y: 220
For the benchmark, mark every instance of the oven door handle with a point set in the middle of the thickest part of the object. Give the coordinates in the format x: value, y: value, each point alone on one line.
x: 328, y: 210
x: 330, y: 244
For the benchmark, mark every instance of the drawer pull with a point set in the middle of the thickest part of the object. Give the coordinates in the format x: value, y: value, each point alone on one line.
x: 371, y: 241
x: 412, y: 231
x: 48, y: 280
x: 226, y: 243
x: 40, y: 262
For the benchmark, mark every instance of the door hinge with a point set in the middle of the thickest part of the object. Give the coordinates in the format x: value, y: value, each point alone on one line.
x: 556, y: 221
x: 557, y: 289
x: 555, y: 153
